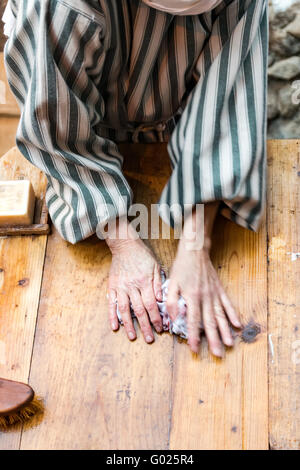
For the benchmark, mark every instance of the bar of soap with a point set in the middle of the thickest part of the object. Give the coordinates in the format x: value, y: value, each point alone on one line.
x: 17, y: 200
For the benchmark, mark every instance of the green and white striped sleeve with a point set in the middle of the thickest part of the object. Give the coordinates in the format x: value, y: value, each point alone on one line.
x: 54, y: 59
x: 218, y: 148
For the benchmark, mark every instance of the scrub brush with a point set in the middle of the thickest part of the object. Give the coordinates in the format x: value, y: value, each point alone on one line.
x: 18, y: 403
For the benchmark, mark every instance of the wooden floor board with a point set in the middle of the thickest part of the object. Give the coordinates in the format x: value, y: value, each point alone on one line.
x: 100, y: 390
x: 20, y: 281
x: 284, y: 294
x: 222, y: 404
x: 8, y: 128
x: 8, y: 103
x: 21, y: 268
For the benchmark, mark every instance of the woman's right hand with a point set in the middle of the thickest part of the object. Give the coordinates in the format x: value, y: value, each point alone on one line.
x: 134, y: 277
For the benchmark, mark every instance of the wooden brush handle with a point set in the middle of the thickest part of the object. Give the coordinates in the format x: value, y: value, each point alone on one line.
x: 14, y: 396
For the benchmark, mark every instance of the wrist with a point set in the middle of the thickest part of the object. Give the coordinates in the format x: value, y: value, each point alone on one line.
x: 120, y: 235
x: 197, y: 246
x: 207, y: 242
x: 198, y: 226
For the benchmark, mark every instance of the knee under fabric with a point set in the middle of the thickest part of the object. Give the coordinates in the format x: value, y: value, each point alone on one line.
x: 179, y: 326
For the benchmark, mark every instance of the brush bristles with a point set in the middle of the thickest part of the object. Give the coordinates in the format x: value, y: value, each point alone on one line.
x: 22, y: 415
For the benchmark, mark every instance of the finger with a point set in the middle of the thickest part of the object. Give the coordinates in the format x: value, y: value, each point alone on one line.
x: 193, y: 322
x: 112, y: 310
x: 157, y: 284
x: 150, y: 304
x: 222, y: 323
x: 124, y: 309
x: 210, y: 327
x: 229, y: 308
x: 141, y: 314
x: 172, y: 300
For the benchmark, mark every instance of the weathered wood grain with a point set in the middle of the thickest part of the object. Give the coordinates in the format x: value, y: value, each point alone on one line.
x: 21, y: 267
x: 223, y: 404
x: 283, y: 293
x: 8, y: 128
x: 8, y: 103
x: 101, y: 392
x: 13, y: 166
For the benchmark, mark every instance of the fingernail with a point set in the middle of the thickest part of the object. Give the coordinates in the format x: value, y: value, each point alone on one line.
x: 217, y: 352
x: 194, y: 347
x: 114, y: 326
x: 159, y: 296
x: 229, y: 342
x: 149, y: 339
x: 131, y: 335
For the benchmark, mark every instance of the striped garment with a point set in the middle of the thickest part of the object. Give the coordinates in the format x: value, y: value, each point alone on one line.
x: 90, y: 74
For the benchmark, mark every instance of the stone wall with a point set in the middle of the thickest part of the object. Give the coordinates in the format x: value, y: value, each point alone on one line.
x: 284, y: 71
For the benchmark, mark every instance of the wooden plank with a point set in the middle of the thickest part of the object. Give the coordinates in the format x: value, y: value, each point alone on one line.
x: 8, y: 103
x: 283, y: 293
x: 8, y: 128
x: 13, y: 166
x: 223, y: 404
x: 101, y: 392
x: 21, y: 267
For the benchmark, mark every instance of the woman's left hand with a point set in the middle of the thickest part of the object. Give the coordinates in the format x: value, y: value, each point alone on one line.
x: 194, y: 277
